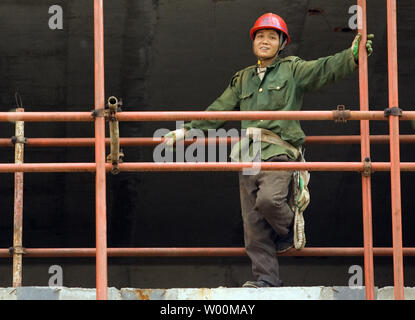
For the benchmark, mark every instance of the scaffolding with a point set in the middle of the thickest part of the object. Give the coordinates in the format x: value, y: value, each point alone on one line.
x: 393, y: 114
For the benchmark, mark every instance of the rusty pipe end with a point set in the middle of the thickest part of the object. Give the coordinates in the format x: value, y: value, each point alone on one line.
x: 113, y: 103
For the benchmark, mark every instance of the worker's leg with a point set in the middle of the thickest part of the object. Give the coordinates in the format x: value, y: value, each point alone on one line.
x: 272, y: 198
x: 258, y: 234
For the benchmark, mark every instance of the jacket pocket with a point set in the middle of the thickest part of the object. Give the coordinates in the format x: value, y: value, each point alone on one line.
x: 245, y: 100
x: 245, y: 95
x: 278, y: 94
x: 278, y: 86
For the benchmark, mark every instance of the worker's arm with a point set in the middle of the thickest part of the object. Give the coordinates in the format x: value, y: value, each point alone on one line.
x: 228, y: 101
x: 315, y: 74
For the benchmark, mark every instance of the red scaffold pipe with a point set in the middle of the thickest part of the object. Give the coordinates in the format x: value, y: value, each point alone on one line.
x: 392, y: 42
x: 148, y: 141
x: 202, y: 166
x: 100, y: 176
x: 252, y: 115
x: 197, y: 115
x: 196, y: 252
x: 365, y: 154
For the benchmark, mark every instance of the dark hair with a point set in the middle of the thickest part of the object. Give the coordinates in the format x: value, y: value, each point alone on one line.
x: 281, y: 34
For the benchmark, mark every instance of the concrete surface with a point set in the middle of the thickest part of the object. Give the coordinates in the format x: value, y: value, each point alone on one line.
x: 221, y: 293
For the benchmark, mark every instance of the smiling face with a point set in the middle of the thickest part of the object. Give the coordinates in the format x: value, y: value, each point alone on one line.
x: 265, y: 45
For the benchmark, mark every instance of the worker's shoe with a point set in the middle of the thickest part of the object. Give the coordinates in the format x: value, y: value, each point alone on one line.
x: 286, y: 242
x: 259, y: 284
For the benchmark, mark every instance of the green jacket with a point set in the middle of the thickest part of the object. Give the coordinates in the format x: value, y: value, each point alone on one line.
x: 282, y: 88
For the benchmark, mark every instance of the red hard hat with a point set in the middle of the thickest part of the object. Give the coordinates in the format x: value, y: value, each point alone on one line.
x: 270, y: 21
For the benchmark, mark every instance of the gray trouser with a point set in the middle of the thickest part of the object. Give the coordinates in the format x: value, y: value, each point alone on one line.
x: 266, y: 215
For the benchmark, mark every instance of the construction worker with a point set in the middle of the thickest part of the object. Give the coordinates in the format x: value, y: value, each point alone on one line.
x: 273, y: 84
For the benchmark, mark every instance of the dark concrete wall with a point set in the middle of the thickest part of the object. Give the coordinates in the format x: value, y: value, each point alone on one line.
x: 180, y: 55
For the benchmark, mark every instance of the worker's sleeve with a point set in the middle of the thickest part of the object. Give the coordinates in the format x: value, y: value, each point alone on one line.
x: 228, y: 101
x: 315, y: 74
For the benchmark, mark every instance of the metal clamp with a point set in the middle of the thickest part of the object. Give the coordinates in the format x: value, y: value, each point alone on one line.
x: 17, y: 250
x: 394, y: 111
x: 367, y: 167
x: 341, y: 114
x: 18, y: 139
x: 115, y: 169
x: 114, y: 106
x: 116, y: 156
x: 99, y: 113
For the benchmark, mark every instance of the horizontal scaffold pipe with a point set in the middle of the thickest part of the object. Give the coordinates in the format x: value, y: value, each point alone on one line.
x: 202, y: 166
x: 147, y: 141
x: 196, y: 252
x: 198, y: 115
x: 46, y: 116
x: 253, y: 115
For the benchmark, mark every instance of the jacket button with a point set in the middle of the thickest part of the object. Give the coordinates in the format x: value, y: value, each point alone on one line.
x: 260, y: 90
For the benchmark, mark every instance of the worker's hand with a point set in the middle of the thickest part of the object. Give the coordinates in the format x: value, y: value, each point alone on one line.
x: 356, y: 42
x: 303, y: 198
x: 174, y: 136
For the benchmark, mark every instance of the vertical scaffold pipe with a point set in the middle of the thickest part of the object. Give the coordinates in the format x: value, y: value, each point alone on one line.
x: 100, y: 176
x: 365, y: 155
x: 18, y: 204
x: 394, y: 151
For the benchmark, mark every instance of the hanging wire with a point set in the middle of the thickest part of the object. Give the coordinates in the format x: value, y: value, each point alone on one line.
x: 18, y: 99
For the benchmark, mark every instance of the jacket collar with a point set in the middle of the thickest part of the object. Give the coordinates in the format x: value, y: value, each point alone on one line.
x: 276, y: 61
x: 273, y: 64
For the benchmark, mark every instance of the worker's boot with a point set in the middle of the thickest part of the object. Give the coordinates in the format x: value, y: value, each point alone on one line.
x: 260, y: 284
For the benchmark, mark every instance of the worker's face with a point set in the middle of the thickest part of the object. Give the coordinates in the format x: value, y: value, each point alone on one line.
x: 266, y: 44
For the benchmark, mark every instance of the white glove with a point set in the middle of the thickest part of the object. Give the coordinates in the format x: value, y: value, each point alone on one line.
x: 174, y: 136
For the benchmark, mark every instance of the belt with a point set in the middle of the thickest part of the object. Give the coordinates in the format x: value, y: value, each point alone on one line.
x: 265, y: 135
